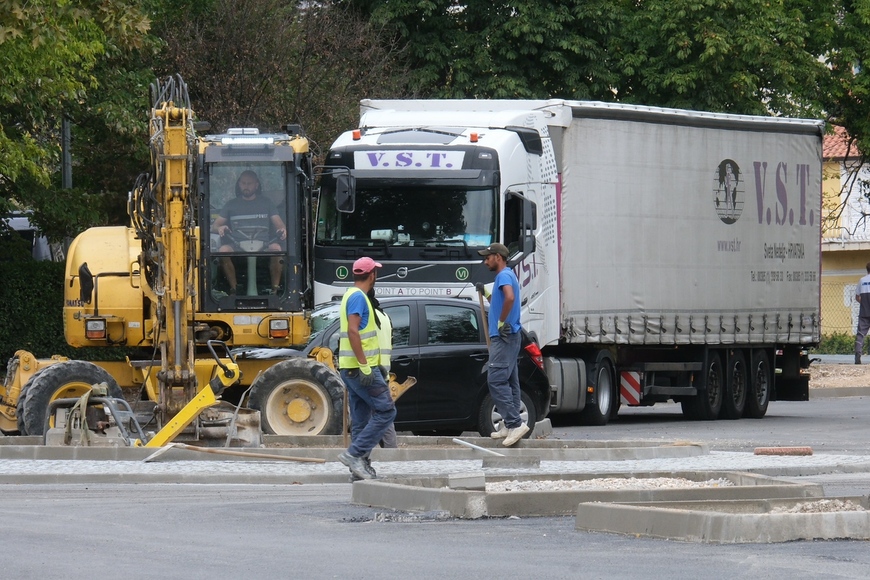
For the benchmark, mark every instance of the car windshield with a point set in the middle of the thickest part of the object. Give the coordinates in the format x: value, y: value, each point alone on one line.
x: 322, y: 317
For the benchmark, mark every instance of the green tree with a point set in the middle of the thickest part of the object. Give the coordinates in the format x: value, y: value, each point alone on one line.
x: 49, y: 56
x: 740, y: 56
x: 266, y: 63
x: 520, y: 49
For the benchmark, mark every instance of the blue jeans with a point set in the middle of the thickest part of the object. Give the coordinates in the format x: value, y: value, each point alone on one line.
x: 371, y: 411
x: 503, y: 378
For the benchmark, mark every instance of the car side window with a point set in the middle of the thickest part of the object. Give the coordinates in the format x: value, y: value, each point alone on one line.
x: 451, y: 324
x: 400, y: 318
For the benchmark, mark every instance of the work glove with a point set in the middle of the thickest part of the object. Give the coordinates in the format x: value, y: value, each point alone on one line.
x: 504, y: 329
x: 481, y: 288
x: 366, y: 378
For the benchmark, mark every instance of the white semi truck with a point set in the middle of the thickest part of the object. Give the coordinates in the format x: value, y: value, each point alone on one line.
x: 662, y: 254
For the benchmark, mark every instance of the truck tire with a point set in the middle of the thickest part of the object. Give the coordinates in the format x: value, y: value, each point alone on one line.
x: 489, y: 419
x: 736, y: 386
x: 707, y: 404
x: 298, y: 396
x: 599, y: 407
x: 62, y: 380
x: 760, y: 384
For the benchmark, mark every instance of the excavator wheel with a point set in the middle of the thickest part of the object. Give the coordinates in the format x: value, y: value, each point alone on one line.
x: 58, y: 381
x: 298, y: 396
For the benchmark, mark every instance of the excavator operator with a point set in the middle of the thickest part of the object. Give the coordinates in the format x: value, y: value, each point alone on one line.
x: 244, y: 225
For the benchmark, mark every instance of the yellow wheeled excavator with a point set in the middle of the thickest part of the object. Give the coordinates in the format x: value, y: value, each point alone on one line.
x: 180, y: 293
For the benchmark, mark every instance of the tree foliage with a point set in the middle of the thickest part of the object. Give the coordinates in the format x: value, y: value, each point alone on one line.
x: 266, y: 63
x: 50, y: 52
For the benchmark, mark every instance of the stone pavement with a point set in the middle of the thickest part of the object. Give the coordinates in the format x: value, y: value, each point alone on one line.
x: 248, y: 471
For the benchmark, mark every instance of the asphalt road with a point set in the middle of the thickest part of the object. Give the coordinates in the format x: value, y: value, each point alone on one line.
x: 313, y: 531
x: 833, y: 425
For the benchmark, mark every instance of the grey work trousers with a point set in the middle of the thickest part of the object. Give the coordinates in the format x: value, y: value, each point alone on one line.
x: 503, y: 378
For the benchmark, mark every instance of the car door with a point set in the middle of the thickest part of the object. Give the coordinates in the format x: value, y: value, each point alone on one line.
x: 453, y: 360
x: 404, y: 361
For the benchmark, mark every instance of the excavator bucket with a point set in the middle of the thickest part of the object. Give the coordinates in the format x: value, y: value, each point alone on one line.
x: 398, y: 389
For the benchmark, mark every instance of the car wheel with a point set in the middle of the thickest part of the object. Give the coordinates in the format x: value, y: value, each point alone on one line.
x: 490, y: 420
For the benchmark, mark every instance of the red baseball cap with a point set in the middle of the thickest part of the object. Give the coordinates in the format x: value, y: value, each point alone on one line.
x: 365, y: 265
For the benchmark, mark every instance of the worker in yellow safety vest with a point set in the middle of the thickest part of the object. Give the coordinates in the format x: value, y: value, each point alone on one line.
x: 372, y: 410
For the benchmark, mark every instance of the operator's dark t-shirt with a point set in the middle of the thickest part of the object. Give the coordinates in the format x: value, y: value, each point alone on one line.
x: 259, y: 207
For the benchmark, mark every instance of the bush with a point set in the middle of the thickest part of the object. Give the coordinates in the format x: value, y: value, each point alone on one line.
x: 31, y: 314
x: 837, y: 343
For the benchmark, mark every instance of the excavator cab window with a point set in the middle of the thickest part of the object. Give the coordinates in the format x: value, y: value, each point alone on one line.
x: 249, y: 232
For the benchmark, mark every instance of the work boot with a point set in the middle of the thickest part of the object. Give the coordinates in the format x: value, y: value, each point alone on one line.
x: 515, y: 435
x: 857, y: 359
x: 369, y: 468
x: 357, y: 465
x: 501, y: 433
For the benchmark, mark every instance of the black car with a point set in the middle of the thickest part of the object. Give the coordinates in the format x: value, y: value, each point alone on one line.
x: 440, y: 341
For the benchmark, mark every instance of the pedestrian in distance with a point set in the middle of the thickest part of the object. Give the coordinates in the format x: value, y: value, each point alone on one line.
x: 372, y: 410
x: 862, y: 295
x: 505, y: 340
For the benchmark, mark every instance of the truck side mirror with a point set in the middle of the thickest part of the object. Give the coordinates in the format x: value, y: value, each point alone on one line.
x: 86, y: 283
x: 345, y: 193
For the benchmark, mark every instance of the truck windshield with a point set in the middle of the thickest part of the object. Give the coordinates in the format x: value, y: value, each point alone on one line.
x: 411, y: 217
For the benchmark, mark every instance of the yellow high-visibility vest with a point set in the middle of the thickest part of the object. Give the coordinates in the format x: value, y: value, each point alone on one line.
x: 368, y: 336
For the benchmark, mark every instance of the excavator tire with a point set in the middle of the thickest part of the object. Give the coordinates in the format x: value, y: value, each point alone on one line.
x: 62, y: 380
x: 298, y: 396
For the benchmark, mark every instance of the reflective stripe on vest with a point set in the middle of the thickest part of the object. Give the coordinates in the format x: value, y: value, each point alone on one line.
x: 368, y: 336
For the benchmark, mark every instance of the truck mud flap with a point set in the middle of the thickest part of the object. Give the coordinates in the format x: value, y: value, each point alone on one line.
x: 792, y: 388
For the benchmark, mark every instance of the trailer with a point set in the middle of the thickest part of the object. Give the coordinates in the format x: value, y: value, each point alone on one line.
x: 663, y: 254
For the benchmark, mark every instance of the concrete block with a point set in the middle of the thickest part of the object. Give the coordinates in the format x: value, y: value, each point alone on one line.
x: 470, y: 480
x: 728, y: 522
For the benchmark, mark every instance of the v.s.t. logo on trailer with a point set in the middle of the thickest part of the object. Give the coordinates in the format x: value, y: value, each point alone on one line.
x: 782, y: 196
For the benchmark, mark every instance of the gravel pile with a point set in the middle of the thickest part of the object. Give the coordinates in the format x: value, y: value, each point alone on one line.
x: 820, y: 507
x: 604, y: 483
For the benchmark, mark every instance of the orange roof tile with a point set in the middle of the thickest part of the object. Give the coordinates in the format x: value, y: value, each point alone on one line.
x: 837, y: 146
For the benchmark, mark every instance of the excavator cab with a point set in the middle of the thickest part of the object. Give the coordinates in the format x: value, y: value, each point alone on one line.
x: 254, y: 190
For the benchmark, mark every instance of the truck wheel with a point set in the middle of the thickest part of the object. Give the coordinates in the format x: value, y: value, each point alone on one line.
x: 63, y: 380
x: 598, y: 408
x: 299, y: 396
x: 736, y: 386
x: 707, y: 404
x: 759, y: 386
x: 490, y: 420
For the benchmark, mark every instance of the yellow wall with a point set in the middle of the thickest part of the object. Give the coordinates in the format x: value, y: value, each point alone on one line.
x: 843, y: 263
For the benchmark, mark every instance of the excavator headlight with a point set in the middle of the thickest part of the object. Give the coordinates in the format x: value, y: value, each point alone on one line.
x: 95, y: 328
x: 279, y: 328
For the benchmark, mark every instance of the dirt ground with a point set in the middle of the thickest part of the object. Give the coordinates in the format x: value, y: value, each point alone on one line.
x: 825, y: 376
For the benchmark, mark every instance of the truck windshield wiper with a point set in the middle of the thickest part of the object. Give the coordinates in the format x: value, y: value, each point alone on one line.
x: 436, y: 244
